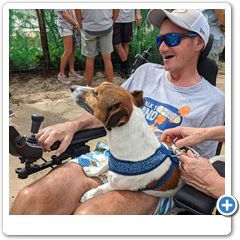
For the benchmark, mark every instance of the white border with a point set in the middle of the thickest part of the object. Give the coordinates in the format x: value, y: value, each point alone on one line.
x: 114, y: 225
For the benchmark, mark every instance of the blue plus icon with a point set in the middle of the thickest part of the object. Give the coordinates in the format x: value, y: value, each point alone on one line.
x: 227, y: 205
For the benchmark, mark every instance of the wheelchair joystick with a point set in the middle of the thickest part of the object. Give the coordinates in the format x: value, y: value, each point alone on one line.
x: 26, y: 148
x: 36, y: 123
x: 29, y: 151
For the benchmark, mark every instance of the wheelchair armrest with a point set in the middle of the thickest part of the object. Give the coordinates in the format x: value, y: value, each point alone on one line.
x: 83, y: 136
x: 197, y: 202
x: 88, y: 134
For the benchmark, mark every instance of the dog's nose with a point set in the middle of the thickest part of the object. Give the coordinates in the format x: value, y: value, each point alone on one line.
x: 73, y: 88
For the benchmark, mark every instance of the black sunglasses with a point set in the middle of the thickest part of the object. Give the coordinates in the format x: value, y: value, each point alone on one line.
x: 173, y: 39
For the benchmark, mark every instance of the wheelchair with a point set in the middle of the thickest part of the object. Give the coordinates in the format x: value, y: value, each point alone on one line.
x: 29, y: 151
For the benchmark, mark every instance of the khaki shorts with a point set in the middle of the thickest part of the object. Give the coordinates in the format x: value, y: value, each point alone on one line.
x: 91, y: 45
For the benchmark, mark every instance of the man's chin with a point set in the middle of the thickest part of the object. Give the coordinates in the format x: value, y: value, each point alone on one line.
x: 166, y: 67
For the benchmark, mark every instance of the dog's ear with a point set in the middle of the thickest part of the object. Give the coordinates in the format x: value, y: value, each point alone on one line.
x: 117, y: 116
x: 138, y: 97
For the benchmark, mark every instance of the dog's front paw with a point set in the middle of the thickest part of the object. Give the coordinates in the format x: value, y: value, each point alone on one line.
x: 91, y: 171
x: 88, y: 195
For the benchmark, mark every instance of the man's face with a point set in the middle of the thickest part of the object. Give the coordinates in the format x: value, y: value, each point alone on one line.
x: 181, y: 56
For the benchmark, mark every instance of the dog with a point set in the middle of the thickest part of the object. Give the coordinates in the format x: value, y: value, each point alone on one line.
x: 138, y: 161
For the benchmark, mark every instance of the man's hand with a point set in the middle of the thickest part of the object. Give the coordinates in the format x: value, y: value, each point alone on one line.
x: 199, y: 173
x: 78, y: 27
x: 62, y: 132
x: 184, y: 136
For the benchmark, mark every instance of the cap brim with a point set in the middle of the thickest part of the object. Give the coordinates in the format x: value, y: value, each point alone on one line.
x: 157, y: 16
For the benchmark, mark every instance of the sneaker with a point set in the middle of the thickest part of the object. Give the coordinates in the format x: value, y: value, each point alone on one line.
x: 75, y: 76
x: 63, y: 79
x: 11, y: 112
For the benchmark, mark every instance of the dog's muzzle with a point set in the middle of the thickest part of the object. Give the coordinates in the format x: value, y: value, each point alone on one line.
x: 78, y: 93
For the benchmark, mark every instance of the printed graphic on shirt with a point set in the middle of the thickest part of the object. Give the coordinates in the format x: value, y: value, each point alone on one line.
x: 161, y: 116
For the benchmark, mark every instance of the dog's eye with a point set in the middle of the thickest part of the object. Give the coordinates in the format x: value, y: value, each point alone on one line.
x: 95, y: 93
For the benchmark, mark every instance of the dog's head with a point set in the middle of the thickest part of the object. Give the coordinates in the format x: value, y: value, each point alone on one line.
x: 110, y: 103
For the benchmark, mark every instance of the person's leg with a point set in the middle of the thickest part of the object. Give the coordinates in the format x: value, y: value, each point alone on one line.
x: 108, y: 67
x: 121, y: 52
x: 71, y: 61
x: 106, y: 48
x: 119, y: 203
x: 127, y: 35
x: 73, y: 75
x: 89, y: 68
x: 121, y: 44
x: 68, y: 51
x: 126, y: 49
x: 59, y: 192
x: 89, y: 49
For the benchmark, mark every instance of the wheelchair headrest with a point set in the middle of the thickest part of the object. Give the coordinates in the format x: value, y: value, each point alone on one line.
x: 207, y: 49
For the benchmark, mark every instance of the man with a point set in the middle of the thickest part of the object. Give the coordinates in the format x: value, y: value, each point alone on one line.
x: 122, y: 36
x: 198, y: 172
x: 97, y: 25
x: 174, y: 95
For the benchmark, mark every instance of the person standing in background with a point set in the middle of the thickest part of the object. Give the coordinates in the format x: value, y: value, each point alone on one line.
x: 96, y: 34
x: 216, y: 21
x: 123, y: 34
x: 68, y: 28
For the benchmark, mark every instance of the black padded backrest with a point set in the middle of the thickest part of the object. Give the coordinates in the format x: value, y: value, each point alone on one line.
x: 207, y: 67
x: 207, y: 49
x: 209, y: 70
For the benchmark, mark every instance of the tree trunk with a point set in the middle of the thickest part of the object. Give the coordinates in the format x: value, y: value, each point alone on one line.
x: 43, y: 34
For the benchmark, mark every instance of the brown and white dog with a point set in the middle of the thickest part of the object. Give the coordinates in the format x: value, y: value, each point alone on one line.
x: 134, y: 148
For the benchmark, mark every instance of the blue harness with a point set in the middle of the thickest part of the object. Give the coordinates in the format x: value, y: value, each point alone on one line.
x: 129, y: 168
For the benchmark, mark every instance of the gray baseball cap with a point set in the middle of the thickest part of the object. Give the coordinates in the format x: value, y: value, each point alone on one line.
x: 190, y: 19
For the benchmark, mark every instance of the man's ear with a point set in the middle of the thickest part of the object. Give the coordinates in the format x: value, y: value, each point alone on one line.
x: 117, y: 116
x: 200, y: 43
x: 138, y: 97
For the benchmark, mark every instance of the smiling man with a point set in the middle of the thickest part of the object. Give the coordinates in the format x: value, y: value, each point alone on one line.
x: 175, y: 94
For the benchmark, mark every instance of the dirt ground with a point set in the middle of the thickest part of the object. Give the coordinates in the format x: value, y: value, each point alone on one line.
x: 50, y: 98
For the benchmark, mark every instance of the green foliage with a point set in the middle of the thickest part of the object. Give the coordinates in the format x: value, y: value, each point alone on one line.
x: 144, y: 37
x: 25, y: 43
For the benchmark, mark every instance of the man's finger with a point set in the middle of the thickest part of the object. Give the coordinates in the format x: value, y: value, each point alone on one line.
x: 49, y: 141
x: 173, y: 133
x: 63, y: 146
x: 181, y: 143
x: 183, y: 158
x: 42, y: 137
x: 40, y: 133
x: 190, y: 154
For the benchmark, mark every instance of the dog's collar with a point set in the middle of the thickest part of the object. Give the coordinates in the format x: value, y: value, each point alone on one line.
x: 129, y: 168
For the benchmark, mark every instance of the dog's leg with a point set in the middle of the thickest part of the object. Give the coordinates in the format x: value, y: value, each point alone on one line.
x: 95, y: 171
x: 97, y: 191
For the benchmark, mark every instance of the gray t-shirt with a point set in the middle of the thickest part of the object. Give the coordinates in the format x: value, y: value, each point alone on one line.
x: 62, y: 22
x: 96, y: 20
x: 126, y: 16
x: 167, y: 106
